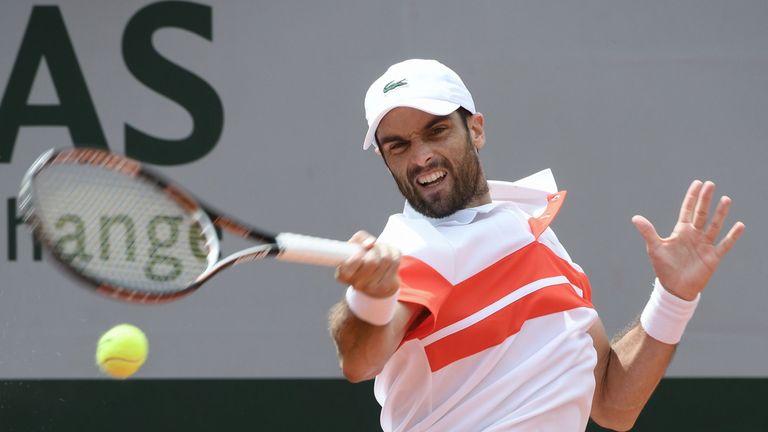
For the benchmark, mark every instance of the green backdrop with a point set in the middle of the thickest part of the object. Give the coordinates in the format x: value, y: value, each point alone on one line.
x: 315, y: 405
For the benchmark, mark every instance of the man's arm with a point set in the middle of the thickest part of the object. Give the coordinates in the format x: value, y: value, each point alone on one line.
x: 626, y: 374
x: 363, y: 348
x: 630, y: 368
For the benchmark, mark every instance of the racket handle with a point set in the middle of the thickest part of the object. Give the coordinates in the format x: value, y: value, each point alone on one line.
x: 314, y: 250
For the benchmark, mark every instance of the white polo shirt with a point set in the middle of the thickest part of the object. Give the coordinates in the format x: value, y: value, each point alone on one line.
x: 505, y: 346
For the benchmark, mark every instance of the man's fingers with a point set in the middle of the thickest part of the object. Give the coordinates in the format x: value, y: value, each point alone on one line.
x: 689, y: 202
x: 352, y: 265
x: 363, y: 238
x: 729, y: 240
x: 704, y: 199
x: 647, y: 231
x: 377, y: 275
x: 372, y: 270
x: 347, y: 269
x: 391, y: 266
x: 721, y: 212
x: 364, y: 267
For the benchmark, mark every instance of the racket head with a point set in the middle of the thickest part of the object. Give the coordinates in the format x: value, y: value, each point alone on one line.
x: 128, y: 233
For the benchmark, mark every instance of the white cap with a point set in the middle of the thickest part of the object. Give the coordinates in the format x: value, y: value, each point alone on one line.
x: 426, y: 85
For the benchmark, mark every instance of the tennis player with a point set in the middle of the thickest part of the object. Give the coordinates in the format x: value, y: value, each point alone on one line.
x: 469, y: 312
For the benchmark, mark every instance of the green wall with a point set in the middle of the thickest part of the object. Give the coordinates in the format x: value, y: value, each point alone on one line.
x: 314, y: 405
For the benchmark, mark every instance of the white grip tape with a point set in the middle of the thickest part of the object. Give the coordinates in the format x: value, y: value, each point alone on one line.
x: 314, y: 250
x: 666, y: 315
x: 373, y: 310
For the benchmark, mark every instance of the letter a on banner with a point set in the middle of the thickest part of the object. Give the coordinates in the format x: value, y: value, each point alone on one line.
x: 46, y: 38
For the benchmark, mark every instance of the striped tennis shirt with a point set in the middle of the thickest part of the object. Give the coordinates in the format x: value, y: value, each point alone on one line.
x: 505, y: 344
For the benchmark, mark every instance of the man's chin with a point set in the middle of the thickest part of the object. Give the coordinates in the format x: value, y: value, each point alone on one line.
x: 432, y: 210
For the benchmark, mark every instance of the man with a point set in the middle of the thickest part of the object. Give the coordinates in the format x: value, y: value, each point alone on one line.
x: 469, y: 312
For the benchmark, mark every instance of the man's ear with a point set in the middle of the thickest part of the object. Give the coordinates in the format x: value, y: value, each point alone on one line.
x: 378, y: 152
x: 476, y: 126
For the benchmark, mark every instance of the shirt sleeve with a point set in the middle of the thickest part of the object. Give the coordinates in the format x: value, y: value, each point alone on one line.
x: 423, y: 285
x: 422, y: 250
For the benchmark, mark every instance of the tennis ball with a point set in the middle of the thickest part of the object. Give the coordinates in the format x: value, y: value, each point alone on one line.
x: 121, y: 351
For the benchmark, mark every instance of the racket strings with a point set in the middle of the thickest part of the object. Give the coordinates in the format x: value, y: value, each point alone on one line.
x: 119, y: 229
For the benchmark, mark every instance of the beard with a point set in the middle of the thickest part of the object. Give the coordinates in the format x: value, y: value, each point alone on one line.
x: 469, y: 183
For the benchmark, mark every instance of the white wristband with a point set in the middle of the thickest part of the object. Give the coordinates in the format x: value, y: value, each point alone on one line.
x: 373, y: 310
x: 666, y: 315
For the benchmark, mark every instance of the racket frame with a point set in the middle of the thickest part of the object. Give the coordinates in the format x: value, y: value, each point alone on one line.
x: 204, y: 215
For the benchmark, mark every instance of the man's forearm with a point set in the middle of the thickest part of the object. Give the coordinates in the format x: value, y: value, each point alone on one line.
x: 363, y: 348
x: 636, y: 364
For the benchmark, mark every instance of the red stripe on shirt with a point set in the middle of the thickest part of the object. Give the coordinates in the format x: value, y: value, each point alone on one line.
x: 448, y: 304
x: 498, y: 327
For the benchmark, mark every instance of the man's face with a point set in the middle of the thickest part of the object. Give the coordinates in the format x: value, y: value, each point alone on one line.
x: 433, y: 159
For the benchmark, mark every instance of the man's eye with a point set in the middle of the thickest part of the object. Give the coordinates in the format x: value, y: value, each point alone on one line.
x: 438, y: 130
x: 396, y: 147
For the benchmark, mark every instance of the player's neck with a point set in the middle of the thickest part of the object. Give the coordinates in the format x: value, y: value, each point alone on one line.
x: 482, y: 194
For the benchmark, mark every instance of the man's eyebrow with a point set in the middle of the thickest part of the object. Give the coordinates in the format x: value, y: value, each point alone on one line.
x: 435, y: 121
x: 387, y: 138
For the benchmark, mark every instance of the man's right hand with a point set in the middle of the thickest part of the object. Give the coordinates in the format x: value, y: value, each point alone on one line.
x: 373, y: 270
x: 364, y: 348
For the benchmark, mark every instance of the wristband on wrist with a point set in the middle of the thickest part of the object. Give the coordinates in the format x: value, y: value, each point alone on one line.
x: 373, y: 310
x: 666, y: 315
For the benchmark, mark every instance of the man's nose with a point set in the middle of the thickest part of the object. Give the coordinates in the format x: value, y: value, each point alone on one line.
x: 423, y: 152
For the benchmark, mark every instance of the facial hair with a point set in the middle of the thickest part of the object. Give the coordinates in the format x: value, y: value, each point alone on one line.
x: 469, y: 183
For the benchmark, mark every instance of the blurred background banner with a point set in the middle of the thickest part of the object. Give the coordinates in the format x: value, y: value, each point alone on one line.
x: 257, y: 107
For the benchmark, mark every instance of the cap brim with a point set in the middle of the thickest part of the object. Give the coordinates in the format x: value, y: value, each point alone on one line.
x: 432, y: 106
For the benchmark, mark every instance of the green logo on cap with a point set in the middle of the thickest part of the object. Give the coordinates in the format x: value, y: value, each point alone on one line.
x: 394, y: 84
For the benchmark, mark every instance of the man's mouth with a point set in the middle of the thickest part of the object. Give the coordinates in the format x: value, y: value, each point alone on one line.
x: 432, y: 178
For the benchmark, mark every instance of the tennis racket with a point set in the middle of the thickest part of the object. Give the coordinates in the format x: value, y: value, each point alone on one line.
x: 135, y: 236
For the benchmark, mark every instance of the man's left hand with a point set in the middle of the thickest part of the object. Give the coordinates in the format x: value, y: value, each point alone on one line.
x: 686, y: 259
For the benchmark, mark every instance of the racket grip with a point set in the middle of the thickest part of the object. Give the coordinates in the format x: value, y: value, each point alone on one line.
x: 314, y: 250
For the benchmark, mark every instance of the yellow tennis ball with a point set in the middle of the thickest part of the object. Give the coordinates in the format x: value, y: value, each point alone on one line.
x: 121, y: 351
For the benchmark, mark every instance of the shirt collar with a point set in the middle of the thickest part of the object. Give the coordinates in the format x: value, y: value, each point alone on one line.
x: 461, y: 217
x: 529, y: 194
